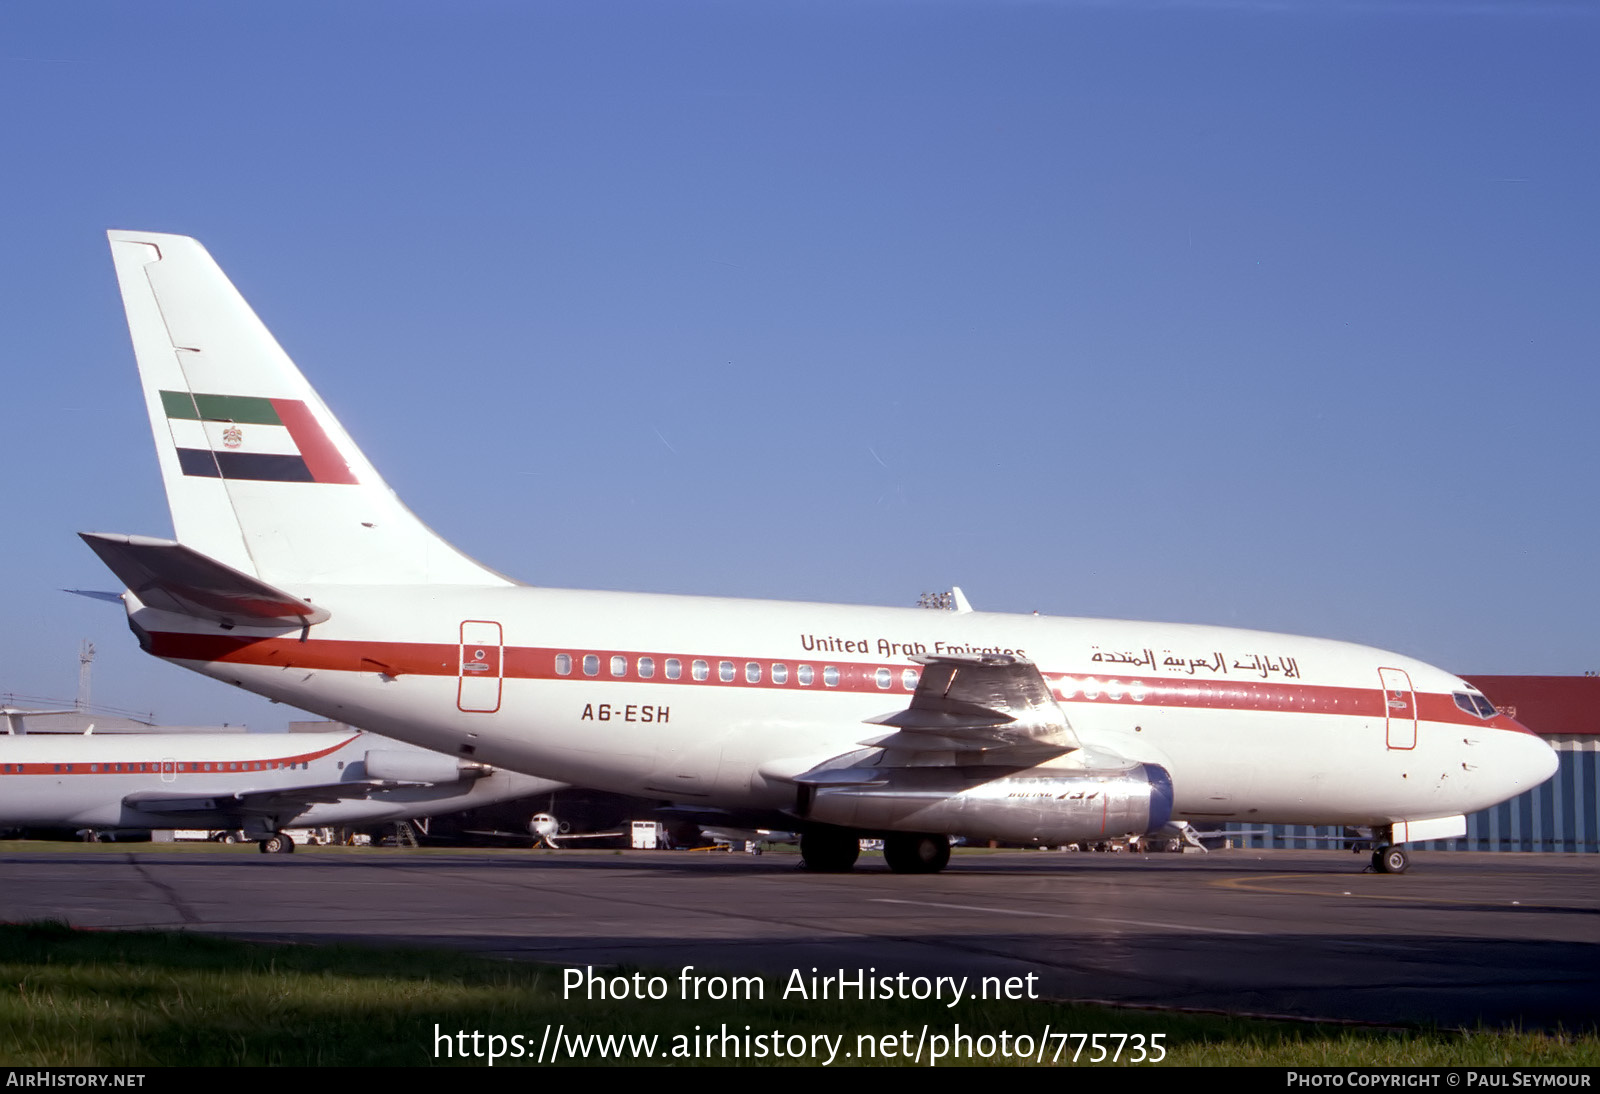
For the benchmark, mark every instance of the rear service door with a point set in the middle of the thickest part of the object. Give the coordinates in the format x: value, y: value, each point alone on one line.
x: 481, y: 655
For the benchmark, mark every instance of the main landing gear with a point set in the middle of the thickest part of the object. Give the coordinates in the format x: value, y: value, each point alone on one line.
x: 911, y: 853
x: 828, y: 850
x: 279, y: 843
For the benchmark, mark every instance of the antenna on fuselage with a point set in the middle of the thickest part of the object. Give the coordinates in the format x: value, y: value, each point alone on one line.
x: 953, y: 601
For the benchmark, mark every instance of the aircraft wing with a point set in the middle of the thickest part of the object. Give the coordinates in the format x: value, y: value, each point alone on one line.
x: 993, y: 703
x: 258, y: 802
x: 167, y: 575
x: 978, y: 710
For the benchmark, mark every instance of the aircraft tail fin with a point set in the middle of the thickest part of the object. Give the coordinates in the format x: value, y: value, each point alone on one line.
x: 259, y: 474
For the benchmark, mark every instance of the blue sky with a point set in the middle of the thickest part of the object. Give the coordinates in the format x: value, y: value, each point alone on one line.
x: 1264, y: 314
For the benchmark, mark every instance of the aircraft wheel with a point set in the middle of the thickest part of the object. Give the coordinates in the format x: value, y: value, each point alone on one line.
x: 909, y: 853
x: 1390, y: 860
x: 277, y: 844
x: 230, y: 837
x: 829, y: 850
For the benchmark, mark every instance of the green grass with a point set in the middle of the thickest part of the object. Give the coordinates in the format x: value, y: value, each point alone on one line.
x: 125, y: 999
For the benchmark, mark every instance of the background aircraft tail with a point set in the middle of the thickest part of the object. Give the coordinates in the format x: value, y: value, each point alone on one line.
x: 259, y: 475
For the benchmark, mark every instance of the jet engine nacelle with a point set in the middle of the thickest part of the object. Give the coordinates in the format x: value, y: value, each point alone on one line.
x: 419, y: 767
x: 1043, y: 809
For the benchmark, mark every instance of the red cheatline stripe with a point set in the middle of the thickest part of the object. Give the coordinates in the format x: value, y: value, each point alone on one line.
x: 538, y: 663
x: 394, y: 658
x: 321, y: 457
x: 153, y: 766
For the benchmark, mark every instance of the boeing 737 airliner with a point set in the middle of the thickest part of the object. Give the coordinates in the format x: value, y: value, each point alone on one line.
x: 296, y: 573
x: 257, y: 783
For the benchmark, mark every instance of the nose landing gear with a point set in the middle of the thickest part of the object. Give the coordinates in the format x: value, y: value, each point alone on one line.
x: 1390, y: 860
x: 828, y: 850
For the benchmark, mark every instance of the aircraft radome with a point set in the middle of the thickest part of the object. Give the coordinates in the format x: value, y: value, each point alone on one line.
x: 257, y: 783
x: 297, y: 574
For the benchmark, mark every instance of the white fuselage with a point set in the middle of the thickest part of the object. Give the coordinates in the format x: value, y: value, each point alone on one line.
x: 1251, y: 725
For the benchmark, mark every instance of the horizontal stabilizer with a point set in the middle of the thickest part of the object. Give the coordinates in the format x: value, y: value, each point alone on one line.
x: 96, y: 594
x: 170, y: 577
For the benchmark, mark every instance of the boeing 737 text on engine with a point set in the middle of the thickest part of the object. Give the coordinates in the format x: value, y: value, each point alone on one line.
x: 297, y: 574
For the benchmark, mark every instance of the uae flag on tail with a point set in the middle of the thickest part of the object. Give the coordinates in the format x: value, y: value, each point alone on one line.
x: 243, y: 437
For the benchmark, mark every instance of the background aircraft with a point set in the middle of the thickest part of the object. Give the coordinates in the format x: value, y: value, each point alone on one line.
x: 259, y: 783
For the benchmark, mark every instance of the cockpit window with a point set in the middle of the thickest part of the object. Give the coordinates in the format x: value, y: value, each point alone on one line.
x: 1474, y: 704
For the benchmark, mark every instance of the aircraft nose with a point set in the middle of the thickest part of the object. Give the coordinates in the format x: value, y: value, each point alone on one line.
x: 1543, y: 762
x: 1527, y: 760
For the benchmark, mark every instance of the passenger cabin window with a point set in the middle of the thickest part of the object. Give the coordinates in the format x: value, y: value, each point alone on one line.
x: 883, y: 678
x: 830, y: 675
x: 674, y: 668
x: 702, y: 671
x: 908, y: 679
x: 780, y: 674
x: 725, y: 671
x: 591, y: 664
x: 752, y: 672
x: 647, y: 668
x: 563, y: 664
x: 805, y: 675
x: 619, y: 665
